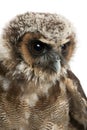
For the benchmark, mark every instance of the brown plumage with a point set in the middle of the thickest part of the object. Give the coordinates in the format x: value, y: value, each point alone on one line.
x: 38, y: 91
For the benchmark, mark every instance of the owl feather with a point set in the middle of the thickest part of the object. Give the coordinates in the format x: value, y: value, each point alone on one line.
x: 38, y: 90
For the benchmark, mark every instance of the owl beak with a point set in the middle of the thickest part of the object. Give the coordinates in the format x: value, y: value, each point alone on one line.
x: 55, y: 66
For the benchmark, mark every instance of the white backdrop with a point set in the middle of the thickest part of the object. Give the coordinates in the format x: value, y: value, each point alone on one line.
x: 74, y: 10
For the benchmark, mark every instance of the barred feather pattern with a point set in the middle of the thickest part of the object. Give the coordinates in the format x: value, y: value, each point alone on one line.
x: 38, y: 90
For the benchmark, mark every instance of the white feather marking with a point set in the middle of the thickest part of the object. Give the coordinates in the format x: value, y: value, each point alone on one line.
x: 27, y: 115
x: 31, y: 100
x: 5, y: 83
x: 5, y: 52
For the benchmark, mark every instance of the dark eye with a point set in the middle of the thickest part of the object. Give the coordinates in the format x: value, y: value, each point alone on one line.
x: 64, y: 48
x: 37, y: 47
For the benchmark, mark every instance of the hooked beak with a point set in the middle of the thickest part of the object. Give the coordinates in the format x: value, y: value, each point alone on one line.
x: 55, y: 66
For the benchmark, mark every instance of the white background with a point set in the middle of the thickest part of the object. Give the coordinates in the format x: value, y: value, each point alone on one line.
x: 74, y: 10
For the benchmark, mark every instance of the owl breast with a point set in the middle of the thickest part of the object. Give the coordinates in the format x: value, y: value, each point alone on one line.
x: 51, y: 112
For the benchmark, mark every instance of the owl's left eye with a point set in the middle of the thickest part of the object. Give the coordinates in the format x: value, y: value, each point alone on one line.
x: 37, y: 47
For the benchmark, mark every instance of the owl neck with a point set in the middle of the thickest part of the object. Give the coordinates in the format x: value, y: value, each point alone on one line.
x: 26, y: 83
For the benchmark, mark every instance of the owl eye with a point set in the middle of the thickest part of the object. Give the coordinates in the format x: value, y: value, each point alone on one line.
x: 65, y: 48
x: 37, y: 47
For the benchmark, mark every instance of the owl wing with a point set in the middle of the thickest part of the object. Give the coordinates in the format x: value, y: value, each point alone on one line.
x: 78, y: 102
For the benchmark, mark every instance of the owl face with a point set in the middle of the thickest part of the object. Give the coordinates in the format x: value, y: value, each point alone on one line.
x: 37, y: 44
x: 42, y: 54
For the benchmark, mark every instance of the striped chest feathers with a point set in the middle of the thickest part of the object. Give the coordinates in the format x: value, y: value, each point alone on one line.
x: 49, y: 107
x: 35, y: 108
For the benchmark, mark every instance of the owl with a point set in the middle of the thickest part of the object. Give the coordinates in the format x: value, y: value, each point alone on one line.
x: 38, y: 90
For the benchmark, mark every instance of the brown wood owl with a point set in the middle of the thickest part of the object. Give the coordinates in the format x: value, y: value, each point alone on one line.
x: 38, y: 91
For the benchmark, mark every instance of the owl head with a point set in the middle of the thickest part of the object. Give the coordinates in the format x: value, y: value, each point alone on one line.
x: 37, y: 45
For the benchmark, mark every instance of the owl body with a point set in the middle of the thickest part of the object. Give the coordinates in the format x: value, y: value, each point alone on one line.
x: 38, y: 110
x: 38, y: 91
